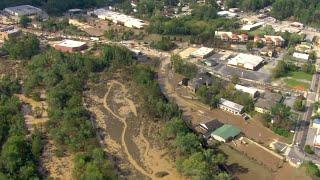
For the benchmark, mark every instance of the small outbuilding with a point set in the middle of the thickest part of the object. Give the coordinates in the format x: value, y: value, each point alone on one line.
x: 225, y: 133
x: 316, y: 123
x: 70, y: 46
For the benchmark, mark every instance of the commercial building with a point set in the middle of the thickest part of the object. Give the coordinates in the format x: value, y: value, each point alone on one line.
x: 250, y: 27
x: 246, y: 61
x: 264, y: 104
x: 316, y: 123
x: 230, y: 107
x: 202, y: 53
x: 253, y: 92
x: 70, y: 46
x: 23, y: 10
x: 227, y: 14
x: 119, y: 18
x: 225, y: 133
x: 301, y: 56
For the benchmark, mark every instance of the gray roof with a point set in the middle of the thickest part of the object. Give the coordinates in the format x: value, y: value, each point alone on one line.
x: 231, y: 104
x: 269, y: 100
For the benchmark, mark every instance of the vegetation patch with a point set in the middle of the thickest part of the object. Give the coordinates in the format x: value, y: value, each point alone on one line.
x: 296, y: 84
x: 301, y: 75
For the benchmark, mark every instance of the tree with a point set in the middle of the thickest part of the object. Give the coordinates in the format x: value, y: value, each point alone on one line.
x: 299, y: 105
x: 24, y: 21
x: 282, y: 111
x: 186, y: 144
x: 235, y: 79
x: 22, y: 47
x: 173, y: 128
x: 249, y: 45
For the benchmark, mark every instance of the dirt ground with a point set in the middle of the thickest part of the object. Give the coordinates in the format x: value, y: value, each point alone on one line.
x: 244, y: 168
x: 126, y: 134
x: 51, y: 165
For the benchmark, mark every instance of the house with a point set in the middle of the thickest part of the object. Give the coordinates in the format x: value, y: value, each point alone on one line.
x: 202, y: 79
x: 230, y: 107
x: 244, y: 37
x: 264, y: 104
x: 246, y: 61
x: 233, y: 37
x: 274, y: 40
x: 68, y: 45
x: 253, y: 92
x: 257, y: 39
x: 206, y: 128
x: 225, y: 133
x: 316, y: 123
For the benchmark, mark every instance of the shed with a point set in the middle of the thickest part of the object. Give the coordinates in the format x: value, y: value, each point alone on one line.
x: 316, y: 123
x: 225, y: 133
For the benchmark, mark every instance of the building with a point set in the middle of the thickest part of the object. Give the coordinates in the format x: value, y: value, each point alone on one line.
x: 23, y: 10
x: 225, y: 133
x: 304, y: 47
x: 231, y: 107
x: 119, y: 18
x: 253, y: 92
x: 202, y: 79
x: 264, y: 104
x: 316, y: 142
x: 267, y: 52
x: 70, y: 46
x: 186, y: 53
x: 233, y: 37
x: 202, y: 53
x: 227, y: 14
x: 274, y: 40
x: 246, y: 61
x: 250, y: 27
x: 301, y: 56
x: 8, y: 31
x: 206, y: 128
x: 316, y: 123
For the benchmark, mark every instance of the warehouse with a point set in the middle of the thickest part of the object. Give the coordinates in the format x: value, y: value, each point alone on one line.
x: 231, y: 107
x: 70, y: 46
x: 225, y: 133
x: 246, y: 61
x: 23, y: 10
x: 301, y: 56
x: 202, y: 53
x: 119, y: 18
x: 253, y: 92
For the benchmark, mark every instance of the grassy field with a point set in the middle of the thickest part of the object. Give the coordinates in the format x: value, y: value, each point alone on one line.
x: 243, y: 167
x: 296, y: 84
x: 301, y: 75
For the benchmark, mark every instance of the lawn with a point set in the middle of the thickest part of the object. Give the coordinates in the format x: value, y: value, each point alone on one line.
x: 296, y: 84
x: 301, y: 75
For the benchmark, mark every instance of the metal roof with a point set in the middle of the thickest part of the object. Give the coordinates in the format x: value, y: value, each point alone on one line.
x: 226, y: 131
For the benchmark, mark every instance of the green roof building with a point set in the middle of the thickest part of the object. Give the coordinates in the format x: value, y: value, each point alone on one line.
x: 225, y: 133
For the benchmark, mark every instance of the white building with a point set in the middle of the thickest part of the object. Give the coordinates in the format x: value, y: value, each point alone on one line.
x: 23, y: 10
x: 202, y: 52
x: 249, y: 27
x: 246, y: 61
x: 119, y: 18
x: 301, y: 56
x: 253, y: 92
x: 230, y: 106
x: 227, y: 14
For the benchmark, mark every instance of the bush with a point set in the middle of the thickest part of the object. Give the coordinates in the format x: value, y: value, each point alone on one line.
x: 281, y: 131
x: 308, y: 149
